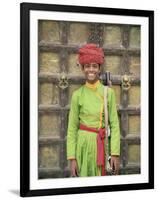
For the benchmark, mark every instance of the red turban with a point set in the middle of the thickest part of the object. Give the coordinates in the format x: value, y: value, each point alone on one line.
x: 90, y: 53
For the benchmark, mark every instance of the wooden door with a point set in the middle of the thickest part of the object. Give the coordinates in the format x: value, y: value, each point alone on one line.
x: 58, y: 45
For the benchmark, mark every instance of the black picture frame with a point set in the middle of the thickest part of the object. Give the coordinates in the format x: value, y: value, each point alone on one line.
x: 25, y: 9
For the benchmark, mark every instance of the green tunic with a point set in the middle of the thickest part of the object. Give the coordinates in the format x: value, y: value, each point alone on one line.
x: 87, y: 106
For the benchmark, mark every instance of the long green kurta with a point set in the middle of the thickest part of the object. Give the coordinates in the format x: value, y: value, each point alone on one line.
x: 87, y: 105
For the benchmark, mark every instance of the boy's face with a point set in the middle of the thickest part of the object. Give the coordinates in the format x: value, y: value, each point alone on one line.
x: 91, y: 72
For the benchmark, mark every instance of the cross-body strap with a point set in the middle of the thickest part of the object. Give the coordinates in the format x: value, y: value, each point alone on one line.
x: 107, y: 164
x: 106, y: 106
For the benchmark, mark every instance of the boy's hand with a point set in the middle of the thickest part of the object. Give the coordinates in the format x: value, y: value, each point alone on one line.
x: 74, y: 168
x: 115, y: 164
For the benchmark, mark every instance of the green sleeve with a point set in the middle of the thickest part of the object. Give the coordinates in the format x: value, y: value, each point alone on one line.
x: 73, y: 125
x: 113, y: 123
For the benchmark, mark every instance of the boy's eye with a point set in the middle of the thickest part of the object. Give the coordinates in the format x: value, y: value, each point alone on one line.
x: 94, y: 66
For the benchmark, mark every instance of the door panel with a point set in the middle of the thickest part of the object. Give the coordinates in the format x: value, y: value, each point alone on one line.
x: 58, y: 46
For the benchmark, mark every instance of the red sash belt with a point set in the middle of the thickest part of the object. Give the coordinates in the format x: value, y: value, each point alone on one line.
x: 100, y: 145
